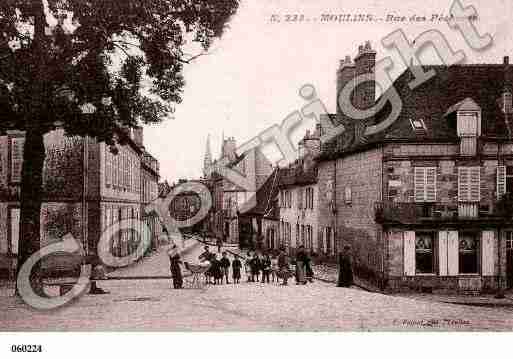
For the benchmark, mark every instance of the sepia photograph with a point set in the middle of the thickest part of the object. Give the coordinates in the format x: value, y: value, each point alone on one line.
x: 254, y: 168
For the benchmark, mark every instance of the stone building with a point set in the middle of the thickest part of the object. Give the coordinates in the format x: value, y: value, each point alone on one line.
x: 88, y: 186
x: 298, y: 199
x: 149, y: 193
x: 235, y: 199
x: 259, y: 224
x: 424, y: 203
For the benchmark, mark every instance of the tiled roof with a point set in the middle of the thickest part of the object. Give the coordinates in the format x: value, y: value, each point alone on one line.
x: 431, y: 101
x: 297, y: 175
x: 266, y: 195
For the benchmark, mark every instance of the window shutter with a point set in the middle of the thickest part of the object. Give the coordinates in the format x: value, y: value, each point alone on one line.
x: 430, y: 189
x: 488, y: 252
x: 107, y: 167
x: 501, y: 181
x: 452, y: 253
x: 463, y: 184
x: 419, y: 183
x: 475, y: 184
x: 409, y: 253
x: 442, y: 253
x: 17, y: 144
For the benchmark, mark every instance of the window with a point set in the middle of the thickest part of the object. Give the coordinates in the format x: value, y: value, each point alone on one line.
x: 17, y: 144
x: 328, y: 240
x: 300, y: 198
x: 468, y: 123
x: 509, y: 240
x: 348, y: 195
x: 297, y: 234
x: 14, y: 230
x: 320, y: 243
x: 425, y: 184
x: 303, y: 239
x: 424, y: 253
x: 469, y: 183
x: 108, y: 173
x: 468, y: 253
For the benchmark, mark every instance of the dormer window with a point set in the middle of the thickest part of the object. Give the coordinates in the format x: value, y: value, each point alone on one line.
x: 468, y: 123
x: 507, y: 102
x: 417, y: 125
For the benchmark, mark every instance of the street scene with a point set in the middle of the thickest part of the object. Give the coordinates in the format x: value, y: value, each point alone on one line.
x: 160, y: 172
x: 150, y: 304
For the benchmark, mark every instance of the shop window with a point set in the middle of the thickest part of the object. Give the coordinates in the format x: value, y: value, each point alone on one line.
x: 424, y: 252
x: 468, y: 253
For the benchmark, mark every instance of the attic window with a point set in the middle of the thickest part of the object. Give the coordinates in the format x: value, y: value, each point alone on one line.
x: 507, y: 102
x: 418, y: 125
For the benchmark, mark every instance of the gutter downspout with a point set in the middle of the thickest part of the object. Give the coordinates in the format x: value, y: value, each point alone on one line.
x: 500, y: 293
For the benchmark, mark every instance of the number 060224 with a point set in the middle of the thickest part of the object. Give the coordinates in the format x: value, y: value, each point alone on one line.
x: 22, y: 348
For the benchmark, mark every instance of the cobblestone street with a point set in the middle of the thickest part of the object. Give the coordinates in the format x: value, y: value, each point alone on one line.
x: 151, y: 304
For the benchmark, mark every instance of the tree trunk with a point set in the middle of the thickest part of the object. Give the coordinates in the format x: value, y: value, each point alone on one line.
x: 34, y: 154
x: 31, y: 197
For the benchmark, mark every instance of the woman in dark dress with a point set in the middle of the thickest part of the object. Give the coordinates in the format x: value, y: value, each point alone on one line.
x: 345, y: 270
x: 176, y: 271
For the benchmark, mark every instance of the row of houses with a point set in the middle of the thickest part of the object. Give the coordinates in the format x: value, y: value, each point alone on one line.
x: 424, y: 204
x: 87, y: 187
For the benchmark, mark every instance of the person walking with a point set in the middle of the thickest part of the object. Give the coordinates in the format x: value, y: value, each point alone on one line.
x: 308, y: 267
x: 300, y: 265
x: 283, y: 266
x: 266, y: 268
x: 345, y: 270
x: 174, y: 266
x: 236, y: 267
x: 225, y: 267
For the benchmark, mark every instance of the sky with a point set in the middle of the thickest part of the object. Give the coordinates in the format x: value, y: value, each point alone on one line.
x: 250, y: 79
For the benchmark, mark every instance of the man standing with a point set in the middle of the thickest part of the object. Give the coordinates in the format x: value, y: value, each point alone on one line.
x: 225, y: 265
x: 300, y: 265
x: 345, y: 270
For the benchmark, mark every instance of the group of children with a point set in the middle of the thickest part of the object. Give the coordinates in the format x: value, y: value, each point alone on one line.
x: 257, y: 267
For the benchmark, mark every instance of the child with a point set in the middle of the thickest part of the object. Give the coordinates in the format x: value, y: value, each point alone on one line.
x: 236, y: 266
x: 266, y: 267
x: 274, y: 269
x: 225, y: 265
x: 247, y: 267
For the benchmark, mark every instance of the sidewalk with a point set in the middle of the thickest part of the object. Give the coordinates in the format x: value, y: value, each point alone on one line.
x: 483, y: 300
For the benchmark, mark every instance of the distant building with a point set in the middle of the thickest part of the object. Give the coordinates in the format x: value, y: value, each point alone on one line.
x: 230, y: 198
x: 150, y: 192
x: 298, y: 200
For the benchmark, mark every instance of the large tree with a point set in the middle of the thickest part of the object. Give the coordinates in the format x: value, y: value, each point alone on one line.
x: 120, y: 61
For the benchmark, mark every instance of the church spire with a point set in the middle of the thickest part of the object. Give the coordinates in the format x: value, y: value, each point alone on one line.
x: 207, y: 161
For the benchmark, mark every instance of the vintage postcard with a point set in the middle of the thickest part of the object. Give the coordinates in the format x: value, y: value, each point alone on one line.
x: 262, y: 166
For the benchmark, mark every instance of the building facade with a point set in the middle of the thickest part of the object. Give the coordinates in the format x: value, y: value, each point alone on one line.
x: 88, y: 186
x: 424, y: 204
x: 149, y: 193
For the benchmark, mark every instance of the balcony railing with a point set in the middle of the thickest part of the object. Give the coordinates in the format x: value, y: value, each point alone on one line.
x: 414, y: 213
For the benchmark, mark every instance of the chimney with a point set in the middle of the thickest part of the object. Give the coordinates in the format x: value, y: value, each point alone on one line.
x: 138, y: 136
x: 506, y: 60
x: 365, y: 93
x: 345, y: 73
